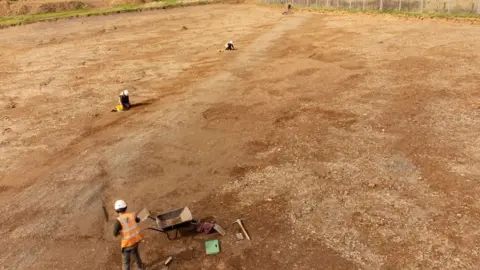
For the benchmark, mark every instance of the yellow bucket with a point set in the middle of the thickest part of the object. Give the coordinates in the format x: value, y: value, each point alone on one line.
x: 119, y: 108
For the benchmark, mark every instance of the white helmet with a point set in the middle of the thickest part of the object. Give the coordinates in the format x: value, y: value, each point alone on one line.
x: 120, y: 204
x: 125, y: 92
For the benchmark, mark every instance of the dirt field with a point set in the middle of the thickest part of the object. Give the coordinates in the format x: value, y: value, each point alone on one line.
x: 349, y: 142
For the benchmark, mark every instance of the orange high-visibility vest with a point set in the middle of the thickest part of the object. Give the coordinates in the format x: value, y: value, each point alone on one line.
x: 130, y: 231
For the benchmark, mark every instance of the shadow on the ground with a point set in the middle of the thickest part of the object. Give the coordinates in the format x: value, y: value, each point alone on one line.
x: 140, y: 104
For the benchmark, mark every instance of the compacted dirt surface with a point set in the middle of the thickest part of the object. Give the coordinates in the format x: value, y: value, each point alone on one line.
x: 347, y: 142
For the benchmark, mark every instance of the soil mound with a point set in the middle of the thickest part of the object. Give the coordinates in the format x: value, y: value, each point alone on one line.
x: 4, y: 7
x: 26, y: 7
x: 59, y: 6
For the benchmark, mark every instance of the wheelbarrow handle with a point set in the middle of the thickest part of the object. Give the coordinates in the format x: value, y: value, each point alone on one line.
x: 154, y: 229
x: 165, y: 232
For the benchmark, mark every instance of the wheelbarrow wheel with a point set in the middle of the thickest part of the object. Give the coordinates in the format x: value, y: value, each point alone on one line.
x: 175, y: 237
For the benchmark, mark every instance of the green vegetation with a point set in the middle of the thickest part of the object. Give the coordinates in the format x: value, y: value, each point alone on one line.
x: 7, y: 21
x: 414, y: 14
x: 168, y: 1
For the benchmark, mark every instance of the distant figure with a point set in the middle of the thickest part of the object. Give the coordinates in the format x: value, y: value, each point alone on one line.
x: 124, y: 100
x: 289, y: 10
x: 229, y: 46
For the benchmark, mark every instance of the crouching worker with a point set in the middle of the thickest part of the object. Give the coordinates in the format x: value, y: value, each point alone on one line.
x: 289, y: 10
x: 229, y: 46
x: 124, y: 100
x: 126, y: 226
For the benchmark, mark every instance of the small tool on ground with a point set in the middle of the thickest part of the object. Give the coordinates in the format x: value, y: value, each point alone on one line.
x: 239, y: 236
x: 219, y: 229
x: 239, y: 222
x: 168, y: 260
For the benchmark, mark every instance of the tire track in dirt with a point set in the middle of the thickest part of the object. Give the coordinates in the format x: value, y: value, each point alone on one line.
x: 206, y: 91
x: 388, y: 176
x: 248, y: 57
x: 213, y: 86
x: 203, y: 97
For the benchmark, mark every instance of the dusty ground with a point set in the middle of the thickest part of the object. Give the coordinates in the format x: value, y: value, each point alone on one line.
x: 348, y: 142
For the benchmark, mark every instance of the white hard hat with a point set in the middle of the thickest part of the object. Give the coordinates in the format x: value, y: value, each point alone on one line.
x: 125, y: 92
x: 120, y: 204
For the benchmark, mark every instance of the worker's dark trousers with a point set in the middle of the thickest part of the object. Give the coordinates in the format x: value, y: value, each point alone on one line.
x: 127, y: 253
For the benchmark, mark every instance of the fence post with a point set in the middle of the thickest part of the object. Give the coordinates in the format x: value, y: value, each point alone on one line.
x: 363, y: 5
x: 337, y: 3
x: 350, y: 4
x: 478, y: 7
x: 449, y: 1
x: 381, y: 5
x: 400, y: 5
x: 421, y: 6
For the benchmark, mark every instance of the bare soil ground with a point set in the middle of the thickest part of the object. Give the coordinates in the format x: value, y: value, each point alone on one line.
x: 349, y: 142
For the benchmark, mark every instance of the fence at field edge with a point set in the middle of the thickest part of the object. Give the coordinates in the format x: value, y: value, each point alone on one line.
x: 438, y: 6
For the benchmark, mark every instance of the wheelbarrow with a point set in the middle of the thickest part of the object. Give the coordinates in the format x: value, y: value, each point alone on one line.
x: 171, y: 221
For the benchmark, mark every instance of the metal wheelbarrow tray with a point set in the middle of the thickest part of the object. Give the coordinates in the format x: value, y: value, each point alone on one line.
x: 173, y: 221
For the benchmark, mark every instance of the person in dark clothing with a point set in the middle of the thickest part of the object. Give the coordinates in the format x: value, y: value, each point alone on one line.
x: 125, y: 100
x: 127, y: 227
x: 229, y: 46
x: 289, y: 10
